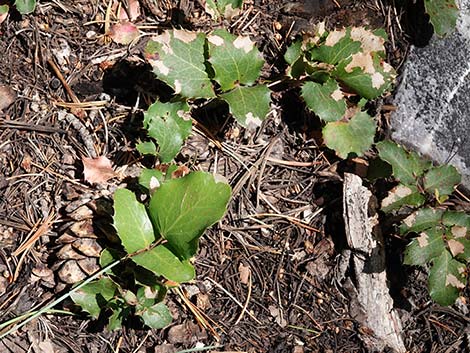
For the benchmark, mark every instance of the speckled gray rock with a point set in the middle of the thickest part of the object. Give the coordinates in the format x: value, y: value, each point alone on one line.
x: 433, y: 99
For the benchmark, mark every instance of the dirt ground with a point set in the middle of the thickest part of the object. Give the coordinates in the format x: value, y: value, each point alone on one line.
x: 277, y: 250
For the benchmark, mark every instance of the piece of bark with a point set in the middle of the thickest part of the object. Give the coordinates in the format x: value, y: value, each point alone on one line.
x: 373, y: 306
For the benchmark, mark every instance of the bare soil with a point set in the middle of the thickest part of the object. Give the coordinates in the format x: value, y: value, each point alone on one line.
x: 277, y: 251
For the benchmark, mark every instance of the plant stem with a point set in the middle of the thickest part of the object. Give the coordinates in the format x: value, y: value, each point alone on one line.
x: 29, y: 316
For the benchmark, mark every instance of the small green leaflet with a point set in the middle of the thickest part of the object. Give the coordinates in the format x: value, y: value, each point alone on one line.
x: 353, y: 136
x: 147, y: 147
x: 157, y: 316
x: 169, y: 124
x: 406, y: 166
x: 235, y: 60
x: 161, y: 261
x: 132, y: 222
x: 177, y: 57
x: 25, y: 7
x: 402, y: 195
x: 428, y: 245
x: 422, y: 219
x: 249, y: 105
x: 446, y: 279
x: 443, y: 15
x: 338, y: 46
x: 94, y: 295
x: 440, y: 181
x: 181, y: 209
x: 326, y: 101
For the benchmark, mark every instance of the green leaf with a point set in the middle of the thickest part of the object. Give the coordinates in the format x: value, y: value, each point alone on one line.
x: 147, y: 147
x: 169, y: 125
x: 406, y: 166
x: 452, y: 218
x: 183, y: 208
x: 120, y: 311
x: 145, y: 178
x: 293, y: 52
x: 446, y: 279
x: 25, y: 7
x: 249, y: 105
x: 402, y: 195
x: 443, y: 15
x: 177, y: 58
x: 162, y: 261
x: 227, y: 8
x: 132, y: 222
x: 94, y: 296
x: 366, y: 74
x: 353, y: 136
x: 4, y: 9
x: 157, y: 316
x: 235, y: 60
x: 338, y: 46
x: 428, y: 245
x: 440, y: 181
x: 327, y: 100
x: 422, y: 219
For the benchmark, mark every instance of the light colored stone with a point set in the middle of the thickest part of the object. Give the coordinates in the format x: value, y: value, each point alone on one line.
x: 433, y: 99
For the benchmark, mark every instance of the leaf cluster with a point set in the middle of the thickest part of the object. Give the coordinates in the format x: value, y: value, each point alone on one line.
x: 24, y: 7
x: 443, y: 236
x: 198, y: 66
x: 157, y: 242
x: 340, y: 71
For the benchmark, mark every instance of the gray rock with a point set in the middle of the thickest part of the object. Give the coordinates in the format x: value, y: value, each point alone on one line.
x: 433, y: 99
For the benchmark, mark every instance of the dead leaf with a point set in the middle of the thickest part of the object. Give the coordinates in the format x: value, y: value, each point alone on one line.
x: 455, y: 247
x: 244, y: 272
x: 97, y: 170
x: 124, y: 33
x: 180, y: 172
x: 7, y: 94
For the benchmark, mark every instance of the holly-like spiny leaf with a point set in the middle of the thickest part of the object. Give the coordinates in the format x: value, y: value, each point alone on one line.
x: 446, y: 279
x: 181, y: 210
x: 443, y: 15
x: 337, y: 46
x: 249, y: 105
x: 425, y: 218
x: 428, y: 245
x: 402, y: 195
x: 169, y: 124
x: 353, y: 136
x: 177, y: 57
x: 367, y: 74
x: 440, y: 181
x: 235, y: 60
x: 407, y: 166
x: 326, y: 101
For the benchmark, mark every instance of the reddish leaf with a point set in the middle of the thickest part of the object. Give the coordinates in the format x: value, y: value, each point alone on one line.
x: 123, y: 33
x: 97, y: 170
